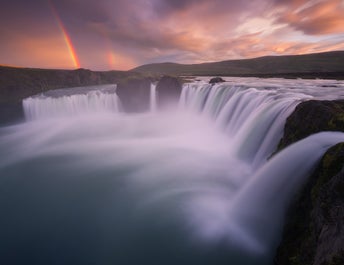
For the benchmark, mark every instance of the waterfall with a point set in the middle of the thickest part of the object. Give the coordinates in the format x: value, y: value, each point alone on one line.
x: 72, y: 101
x: 253, y: 118
x: 153, y: 98
x: 82, y: 182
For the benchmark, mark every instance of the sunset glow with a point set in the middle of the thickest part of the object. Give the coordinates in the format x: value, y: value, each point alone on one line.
x: 118, y: 61
x: 106, y: 35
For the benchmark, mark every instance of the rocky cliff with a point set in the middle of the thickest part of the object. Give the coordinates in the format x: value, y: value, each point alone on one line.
x: 314, y: 231
x: 132, y: 88
x: 19, y: 83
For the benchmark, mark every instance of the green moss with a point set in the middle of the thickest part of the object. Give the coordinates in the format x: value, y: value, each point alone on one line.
x: 337, y: 122
x: 330, y: 165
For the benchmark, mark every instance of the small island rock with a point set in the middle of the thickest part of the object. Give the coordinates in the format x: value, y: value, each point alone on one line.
x: 215, y: 80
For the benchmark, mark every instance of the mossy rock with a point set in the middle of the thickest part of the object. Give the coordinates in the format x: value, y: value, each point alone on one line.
x: 311, y: 117
x: 312, y: 234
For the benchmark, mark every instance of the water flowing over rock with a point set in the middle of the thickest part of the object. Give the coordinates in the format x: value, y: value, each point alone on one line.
x: 314, y: 230
x: 82, y: 181
x: 17, y: 84
x: 76, y: 101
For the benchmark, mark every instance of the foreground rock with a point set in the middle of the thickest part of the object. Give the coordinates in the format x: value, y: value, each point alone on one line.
x: 311, y: 117
x: 314, y: 231
x: 168, y: 90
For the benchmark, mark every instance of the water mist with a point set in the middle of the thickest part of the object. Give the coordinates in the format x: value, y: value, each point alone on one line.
x: 84, y: 183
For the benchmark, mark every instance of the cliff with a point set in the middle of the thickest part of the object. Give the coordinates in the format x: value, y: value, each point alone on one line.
x: 314, y: 231
x: 132, y: 88
x: 19, y: 83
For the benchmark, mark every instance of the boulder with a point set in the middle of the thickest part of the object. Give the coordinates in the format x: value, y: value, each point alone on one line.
x: 313, y: 116
x: 134, y: 94
x: 215, y: 80
x: 168, y: 90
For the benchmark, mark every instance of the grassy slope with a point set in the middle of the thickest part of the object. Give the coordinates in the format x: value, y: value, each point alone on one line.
x: 310, y: 64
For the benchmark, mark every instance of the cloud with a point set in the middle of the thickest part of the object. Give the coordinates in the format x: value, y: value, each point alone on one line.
x: 315, y: 17
x: 110, y: 33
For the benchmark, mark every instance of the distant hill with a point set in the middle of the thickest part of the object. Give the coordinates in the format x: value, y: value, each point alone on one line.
x: 18, y: 83
x: 322, y: 65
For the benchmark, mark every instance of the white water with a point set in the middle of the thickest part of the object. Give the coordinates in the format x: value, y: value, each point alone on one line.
x: 190, y: 186
x: 153, y: 98
x: 76, y: 101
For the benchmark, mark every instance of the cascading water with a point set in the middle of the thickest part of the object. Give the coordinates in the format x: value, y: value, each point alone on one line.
x: 190, y: 186
x: 153, y: 98
x: 75, y: 101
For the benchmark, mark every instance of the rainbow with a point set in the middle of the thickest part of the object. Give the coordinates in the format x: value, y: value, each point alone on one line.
x: 66, y: 37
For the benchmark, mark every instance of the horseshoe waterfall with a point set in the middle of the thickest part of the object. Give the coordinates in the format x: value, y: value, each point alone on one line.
x: 84, y: 182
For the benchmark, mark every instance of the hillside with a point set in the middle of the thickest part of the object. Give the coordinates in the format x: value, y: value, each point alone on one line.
x: 317, y: 65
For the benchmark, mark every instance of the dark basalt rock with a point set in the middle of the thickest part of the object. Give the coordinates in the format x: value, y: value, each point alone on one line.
x: 311, y: 117
x: 314, y: 230
x: 168, y: 90
x: 134, y: 94
x: 216, y: 80
x: 19, y: 83
x: 11, y: 113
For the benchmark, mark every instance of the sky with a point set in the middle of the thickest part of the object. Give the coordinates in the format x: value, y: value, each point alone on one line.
x: 123, y: 34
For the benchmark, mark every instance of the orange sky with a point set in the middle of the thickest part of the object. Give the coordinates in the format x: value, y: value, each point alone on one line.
x: 121, y: 34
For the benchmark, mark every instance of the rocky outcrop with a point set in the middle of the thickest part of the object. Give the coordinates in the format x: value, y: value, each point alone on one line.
x: 133, y: 88
x: 215, y: 80
x: 314, y: 230
x: 11, y: 113
x: 311, y: 117
x: 168, y: 90
x: 19, y: 83
x: 134, y: 94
